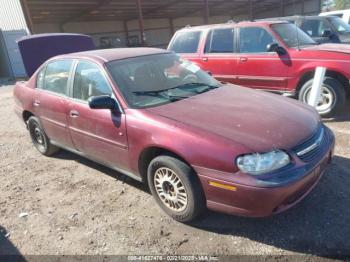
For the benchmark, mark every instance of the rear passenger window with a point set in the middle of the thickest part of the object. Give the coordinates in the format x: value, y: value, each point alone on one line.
x: 56, y: 76
x: 220, y: 41
x: 254, y: 40
x: 89, y: 81
x: 186, y: 42
x: 40, y: 79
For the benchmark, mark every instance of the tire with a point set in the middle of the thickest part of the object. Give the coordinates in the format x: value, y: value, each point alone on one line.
x: 182, y: 182
x: 333, y: 96
x: 39, y: 139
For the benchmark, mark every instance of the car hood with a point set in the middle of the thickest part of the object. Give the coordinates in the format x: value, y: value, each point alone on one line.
x: 258, y: 120
x: 339, y: 48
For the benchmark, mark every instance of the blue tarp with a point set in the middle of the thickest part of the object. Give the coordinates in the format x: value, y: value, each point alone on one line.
x: 36, y: 49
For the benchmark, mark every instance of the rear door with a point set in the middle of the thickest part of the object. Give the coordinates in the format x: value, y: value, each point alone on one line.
x: 51, y: 100
x: 258, y: 68
x: 99, y: 134
x: 219, y: 57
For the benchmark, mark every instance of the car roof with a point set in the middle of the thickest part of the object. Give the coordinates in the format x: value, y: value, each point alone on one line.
x: 233, y: 24
x: 107, y: 55
x: 295, y: 17
x: 335, y: 12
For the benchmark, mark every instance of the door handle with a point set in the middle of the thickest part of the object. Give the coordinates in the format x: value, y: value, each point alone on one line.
x: 74, y: 113
x: 205, y: 59
x: 36, y: 103
x: 243, y: 59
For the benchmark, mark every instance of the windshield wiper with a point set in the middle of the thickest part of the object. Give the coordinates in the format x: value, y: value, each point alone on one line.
x: 188, y: 85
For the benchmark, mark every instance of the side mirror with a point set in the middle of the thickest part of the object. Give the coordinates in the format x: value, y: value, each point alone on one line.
x: 327, y: 33
x: 274, y: 47
x: 102, y: 102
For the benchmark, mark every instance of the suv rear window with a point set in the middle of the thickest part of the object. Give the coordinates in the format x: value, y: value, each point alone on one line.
x: 220, y: 41
x: 186, y: 42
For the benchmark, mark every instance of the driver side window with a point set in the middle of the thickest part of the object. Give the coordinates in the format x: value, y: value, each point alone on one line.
x: 254, y: 40
x: 315, y: 27
x: 89, y: 81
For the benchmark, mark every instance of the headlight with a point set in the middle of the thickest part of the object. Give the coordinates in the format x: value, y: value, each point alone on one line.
x: 257, y: 164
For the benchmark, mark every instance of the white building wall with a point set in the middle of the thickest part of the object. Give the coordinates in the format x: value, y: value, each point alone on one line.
x: 11, y: 16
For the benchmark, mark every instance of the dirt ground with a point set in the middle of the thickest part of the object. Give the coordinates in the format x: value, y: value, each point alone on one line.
x: 69, y: 205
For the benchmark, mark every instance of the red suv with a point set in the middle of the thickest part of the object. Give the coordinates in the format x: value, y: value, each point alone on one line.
x: 273, y: 56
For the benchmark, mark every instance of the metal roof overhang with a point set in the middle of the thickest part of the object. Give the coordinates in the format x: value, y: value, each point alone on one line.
x: 64, y: 11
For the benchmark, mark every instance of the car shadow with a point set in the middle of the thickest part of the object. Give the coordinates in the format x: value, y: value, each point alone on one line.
x: 341, y: 116
x: 319, y: 225
x: 8, y: 251
x: 66, y: 155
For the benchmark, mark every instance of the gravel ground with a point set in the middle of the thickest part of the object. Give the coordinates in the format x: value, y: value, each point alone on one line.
x: 69, y: 205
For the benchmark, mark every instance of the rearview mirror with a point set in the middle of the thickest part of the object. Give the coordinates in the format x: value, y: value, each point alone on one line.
x: 102, y: 102
x: 275, y: 47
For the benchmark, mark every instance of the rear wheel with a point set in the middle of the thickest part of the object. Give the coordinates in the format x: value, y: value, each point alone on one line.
x: 39, y: 138
x: 176, y: 188
x: 332, y: 96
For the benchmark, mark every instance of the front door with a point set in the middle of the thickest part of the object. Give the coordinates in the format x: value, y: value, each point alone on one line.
x: 98, y: 133
x: 258, y: 68
x: 219, y: 57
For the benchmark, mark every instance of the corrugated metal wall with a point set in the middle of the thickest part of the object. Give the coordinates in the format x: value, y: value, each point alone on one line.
x: 12, y: 16
x: 13, y: 26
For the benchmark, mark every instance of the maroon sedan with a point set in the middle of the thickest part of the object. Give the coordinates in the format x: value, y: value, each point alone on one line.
x: 161, y: 120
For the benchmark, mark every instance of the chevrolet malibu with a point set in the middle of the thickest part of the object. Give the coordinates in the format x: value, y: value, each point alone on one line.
x: 161, y: 120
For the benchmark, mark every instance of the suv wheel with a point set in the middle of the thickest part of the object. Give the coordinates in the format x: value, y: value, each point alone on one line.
x: 332, y: 96
x: 176, y: 188
x: 39, y: 138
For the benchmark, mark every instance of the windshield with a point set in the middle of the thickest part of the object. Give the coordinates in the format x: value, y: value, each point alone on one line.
x: 339, y: 25
x: 154, y: 80
x: 291, y: 35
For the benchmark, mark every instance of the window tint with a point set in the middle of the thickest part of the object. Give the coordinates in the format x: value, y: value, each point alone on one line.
x: 89, y: 81
x: 292, y: 35
x: 314, y: 27
x: 40, y: 79
x: 186, y: 42
x: 220, y: 41
x: 254, y: 40
x: 56, y: 76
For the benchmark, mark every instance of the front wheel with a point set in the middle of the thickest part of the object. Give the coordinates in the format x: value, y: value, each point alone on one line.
x: 176, y: 188
x: 332, y: 96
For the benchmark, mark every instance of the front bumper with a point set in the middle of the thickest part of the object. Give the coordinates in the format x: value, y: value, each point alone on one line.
x: 261, y: 200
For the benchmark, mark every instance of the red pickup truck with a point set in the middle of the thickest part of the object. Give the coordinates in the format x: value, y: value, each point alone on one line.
x: 269, y: 55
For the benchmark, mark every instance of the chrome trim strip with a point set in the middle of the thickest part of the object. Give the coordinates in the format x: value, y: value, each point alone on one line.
x: 313, y: 146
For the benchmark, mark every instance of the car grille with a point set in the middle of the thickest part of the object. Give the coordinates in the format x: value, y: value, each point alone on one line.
x: 311, y: 148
